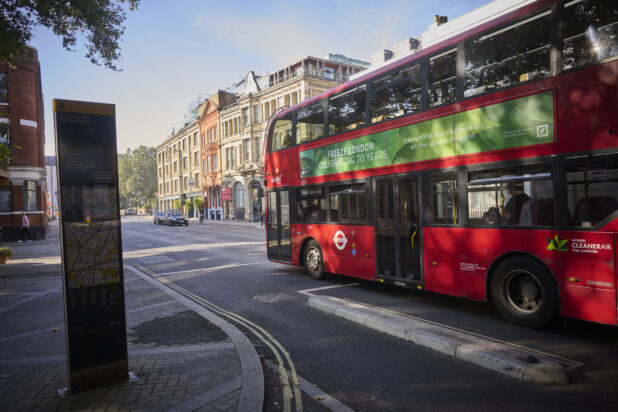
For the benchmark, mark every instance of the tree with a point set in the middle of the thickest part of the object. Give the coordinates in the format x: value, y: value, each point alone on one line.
x: 100, y: 21
x: 137, y: 175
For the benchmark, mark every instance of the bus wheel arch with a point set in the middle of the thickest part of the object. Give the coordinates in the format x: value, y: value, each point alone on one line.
x: 523, y: 289
x: 312, y: 258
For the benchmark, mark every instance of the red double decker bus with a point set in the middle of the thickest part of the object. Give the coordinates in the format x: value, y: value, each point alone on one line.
x: 484, y: 167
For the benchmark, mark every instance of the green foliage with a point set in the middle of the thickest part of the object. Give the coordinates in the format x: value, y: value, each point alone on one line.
x: 188, y: 204
x: 5, y: 154
x: 99, y: 21
x: 6, y: 251
x: 198, y: 202
x: 137, y: 176
x: 176, y: 204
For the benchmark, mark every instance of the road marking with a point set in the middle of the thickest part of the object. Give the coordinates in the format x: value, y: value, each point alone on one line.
x: 308, y: 291
x: 319, y: 395
x: 209, y: 269
x: 274, y: 345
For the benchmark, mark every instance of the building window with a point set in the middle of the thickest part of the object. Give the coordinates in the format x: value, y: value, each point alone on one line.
x: 239, y: 195
x: 4, y: 88
x: 245, y: 116
x: 256, y: 150
x: 195, y: 161
x: 6, y: 196
x: 29, y: 195
x: 215, y: 166
x: 256, y: 114
x: 246, y: 148
x: 207, y: 164
x: 5, y: 133
x: 184, y: 163
x: 197, y: 180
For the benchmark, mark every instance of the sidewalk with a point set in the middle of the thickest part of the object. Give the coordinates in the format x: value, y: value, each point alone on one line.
x: 180, y: 358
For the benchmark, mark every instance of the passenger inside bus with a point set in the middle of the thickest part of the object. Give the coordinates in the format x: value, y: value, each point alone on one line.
x: 512, y: 210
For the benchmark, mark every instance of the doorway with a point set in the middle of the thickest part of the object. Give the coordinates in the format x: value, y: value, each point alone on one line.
x: 278, y: 233
x: 398, y: 228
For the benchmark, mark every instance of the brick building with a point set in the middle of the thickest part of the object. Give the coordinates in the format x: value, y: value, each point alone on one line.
x: 208, y: 119
x: 22, y: 184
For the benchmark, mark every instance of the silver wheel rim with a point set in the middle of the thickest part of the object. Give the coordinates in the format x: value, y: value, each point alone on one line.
x: 523, y: 291
x: 313, y: 260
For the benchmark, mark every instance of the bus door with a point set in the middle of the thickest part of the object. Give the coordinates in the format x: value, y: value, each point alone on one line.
x: 279, y: 244
x: 398, y: 228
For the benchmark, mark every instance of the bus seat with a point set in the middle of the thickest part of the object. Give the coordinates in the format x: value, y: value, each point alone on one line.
x: 594, y: 209
x: 537, y: 212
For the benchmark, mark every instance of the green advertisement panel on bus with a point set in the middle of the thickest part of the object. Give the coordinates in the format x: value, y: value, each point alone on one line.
x: 515, y: 123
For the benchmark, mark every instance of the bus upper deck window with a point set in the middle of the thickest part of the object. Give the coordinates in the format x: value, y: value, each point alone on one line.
x: 590, y: 31
x: 281, y: 136
x: 442, y: 68
x: 511, y: 55
x: 310, y: 123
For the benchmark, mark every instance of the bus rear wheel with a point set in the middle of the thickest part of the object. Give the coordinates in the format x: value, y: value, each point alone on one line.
x: 524, y: 293
x: 314, y: 264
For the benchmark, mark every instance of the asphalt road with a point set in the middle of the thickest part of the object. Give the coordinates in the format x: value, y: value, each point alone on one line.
x: 225, y: 266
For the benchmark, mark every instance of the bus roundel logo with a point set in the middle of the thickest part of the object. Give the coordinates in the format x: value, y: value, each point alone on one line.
x: 340, y: 240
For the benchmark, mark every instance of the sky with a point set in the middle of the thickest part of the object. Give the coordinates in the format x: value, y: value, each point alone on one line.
x: 174, y: 52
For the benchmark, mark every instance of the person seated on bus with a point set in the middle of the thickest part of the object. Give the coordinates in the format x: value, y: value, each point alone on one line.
x: 512, y: 210
x: 287, y: 141
x: 492, y: 216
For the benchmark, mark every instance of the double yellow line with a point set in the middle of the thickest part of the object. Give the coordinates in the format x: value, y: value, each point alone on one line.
x: 291, y: 391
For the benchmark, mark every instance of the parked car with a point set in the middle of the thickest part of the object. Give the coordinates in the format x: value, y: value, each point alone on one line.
x: 158, y: 217
x: 174, y: 217
x: 130, y: 211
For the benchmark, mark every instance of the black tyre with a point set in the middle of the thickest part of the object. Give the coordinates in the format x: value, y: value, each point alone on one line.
x: 524, y: 293
x: 314, y: 264
x: 187, y: 223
